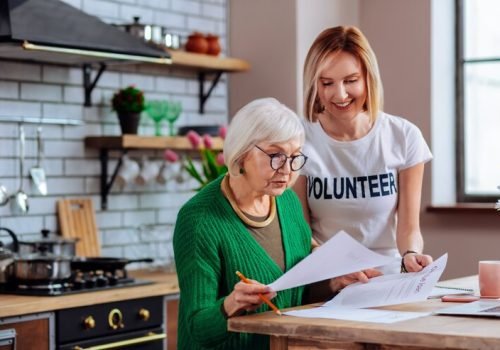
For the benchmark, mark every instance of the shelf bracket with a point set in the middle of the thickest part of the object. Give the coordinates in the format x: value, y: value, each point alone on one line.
x: 105, y: 185
x: 89, y: 85
x: 202, y: 95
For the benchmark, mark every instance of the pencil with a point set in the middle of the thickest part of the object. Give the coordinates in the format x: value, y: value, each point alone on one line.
x: 263, y: 298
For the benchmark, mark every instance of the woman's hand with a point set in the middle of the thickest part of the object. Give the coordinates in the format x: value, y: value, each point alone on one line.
x: 245, y: 297
x: 340, y: 282
x: 414, y: 262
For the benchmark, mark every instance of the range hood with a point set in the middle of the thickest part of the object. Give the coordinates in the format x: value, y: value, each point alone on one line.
x: 54, y: 32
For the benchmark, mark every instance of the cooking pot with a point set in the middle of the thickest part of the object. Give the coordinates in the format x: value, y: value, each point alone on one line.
x: 41, y: 267
x: 50, y: 243
x: 6, y: 260
x: 102, y: 263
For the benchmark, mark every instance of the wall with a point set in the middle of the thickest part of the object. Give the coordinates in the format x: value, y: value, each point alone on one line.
x: 263, y: 32
x: 140, y: 218
x: 413, y: 44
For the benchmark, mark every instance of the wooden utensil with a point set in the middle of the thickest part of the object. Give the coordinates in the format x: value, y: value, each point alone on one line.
x: 77, y: 220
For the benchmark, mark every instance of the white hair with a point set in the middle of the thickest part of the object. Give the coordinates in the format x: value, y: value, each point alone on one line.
x: 262, y: 120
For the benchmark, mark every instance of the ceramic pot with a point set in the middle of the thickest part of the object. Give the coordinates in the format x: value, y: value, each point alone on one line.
x: 213, y: 45
x: 197, y: 43
x: 129, y: 122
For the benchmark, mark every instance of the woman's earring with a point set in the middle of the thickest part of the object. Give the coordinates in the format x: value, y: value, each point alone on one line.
x: 242, y: 171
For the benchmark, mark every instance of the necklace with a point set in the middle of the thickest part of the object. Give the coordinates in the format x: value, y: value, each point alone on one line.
x: 228, y: 193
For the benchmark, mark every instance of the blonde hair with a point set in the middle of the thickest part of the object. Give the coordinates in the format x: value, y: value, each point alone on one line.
x: 262, y: 120
x: 333, y: 40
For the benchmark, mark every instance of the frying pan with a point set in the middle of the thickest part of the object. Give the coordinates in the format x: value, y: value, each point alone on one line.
x: 103, y: 263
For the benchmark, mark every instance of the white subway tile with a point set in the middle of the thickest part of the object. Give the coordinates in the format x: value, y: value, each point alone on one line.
x: 214, y: 11
x: 112, y: 251
x: 20, y: 109
x: 187, y: 7
x: 105, y: 220
x: 167, y: 216
x: 123, y: 202
x: 101, y: 8
x: 51, y: 222
x: 156, y: 4
x: 171, y: 85
x: 203, y: 25
x: 70, y: 186
x: 73, y: 94
x: 142, y: 82
x: 66, y: 111
x: 82, y: 167
x: 109, y: 79
x: 8, y: 130
x: 41, y: 92
x: 24, y: 224
x: 119, y: 237
x: 9, y: 89
x: 43, y: 205
x: 81, y: 131
x: 20, y: 71
x: 138, y: 217
x: 172, y: 21
x: 8, y: 148
x: 63, y: 75
x: 127, y: 13
x: 64, y: 149
x: 154, y: 200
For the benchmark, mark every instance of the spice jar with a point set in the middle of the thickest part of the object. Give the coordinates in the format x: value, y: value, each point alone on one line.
x: 213, y: 44
x: 197, y: 43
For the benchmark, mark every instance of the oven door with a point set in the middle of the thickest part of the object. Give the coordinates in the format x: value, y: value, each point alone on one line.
x: 151, y: 339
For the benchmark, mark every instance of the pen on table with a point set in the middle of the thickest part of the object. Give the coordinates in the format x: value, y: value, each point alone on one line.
x: 263, y: 298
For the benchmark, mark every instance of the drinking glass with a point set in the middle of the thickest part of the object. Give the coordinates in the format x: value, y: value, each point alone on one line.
x: 173, y: 113
x: 157, y: 110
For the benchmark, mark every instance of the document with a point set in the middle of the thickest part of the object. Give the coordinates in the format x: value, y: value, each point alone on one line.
x: 352, y: 314
x: 339, y: 256
x: 391, y: 289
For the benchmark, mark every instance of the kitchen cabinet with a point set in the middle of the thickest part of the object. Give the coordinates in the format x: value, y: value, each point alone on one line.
x: 31, y: 331
x: 128, y: 142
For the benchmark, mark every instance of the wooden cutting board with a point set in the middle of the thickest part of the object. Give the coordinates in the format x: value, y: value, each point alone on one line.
x: 77, y: 220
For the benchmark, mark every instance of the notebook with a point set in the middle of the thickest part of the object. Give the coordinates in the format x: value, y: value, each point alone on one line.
x: 483, y: 308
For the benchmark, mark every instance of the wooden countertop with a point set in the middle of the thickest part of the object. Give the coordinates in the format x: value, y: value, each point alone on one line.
x: 16, y: 305
x: 436, y: 332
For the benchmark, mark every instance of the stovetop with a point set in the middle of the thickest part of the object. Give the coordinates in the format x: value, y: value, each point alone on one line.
x: 79, y: 282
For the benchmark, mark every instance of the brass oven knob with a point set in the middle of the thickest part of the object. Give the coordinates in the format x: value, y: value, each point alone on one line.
x: 115, y: 319
x: 144, y: 314
x: 89, y: 322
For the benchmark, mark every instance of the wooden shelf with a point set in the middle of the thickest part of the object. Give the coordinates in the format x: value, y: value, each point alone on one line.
x: 128, y: 142
x: 125, y: 142
x: 208, y: 62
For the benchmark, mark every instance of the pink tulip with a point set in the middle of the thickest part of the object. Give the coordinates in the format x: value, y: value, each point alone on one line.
x: 194, y: 138
x: 223, y: 131
x: 220, y: 159
x: 170, y: 156
x: 207, y: 141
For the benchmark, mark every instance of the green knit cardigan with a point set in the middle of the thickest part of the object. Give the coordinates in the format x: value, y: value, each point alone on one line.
x: 210, y: 244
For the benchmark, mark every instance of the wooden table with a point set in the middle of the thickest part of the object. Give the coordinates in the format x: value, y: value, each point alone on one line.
x: 430, y: 332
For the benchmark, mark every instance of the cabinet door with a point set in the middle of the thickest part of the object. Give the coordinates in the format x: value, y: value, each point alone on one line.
x: 171, y: 326
x: 33, y: 334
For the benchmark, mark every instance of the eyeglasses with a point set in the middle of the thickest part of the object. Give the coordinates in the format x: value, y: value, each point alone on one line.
x: 279, y: 159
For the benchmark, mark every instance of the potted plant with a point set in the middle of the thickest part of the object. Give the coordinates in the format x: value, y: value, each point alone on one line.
x: 128, y: 104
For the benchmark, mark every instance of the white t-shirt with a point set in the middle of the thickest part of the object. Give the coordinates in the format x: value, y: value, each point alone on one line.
x: 353, y: 185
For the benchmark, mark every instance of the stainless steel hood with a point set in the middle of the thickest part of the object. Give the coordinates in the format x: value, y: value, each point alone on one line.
x: 55, y: 32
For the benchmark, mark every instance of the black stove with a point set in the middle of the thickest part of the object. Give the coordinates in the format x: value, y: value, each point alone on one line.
x: 79, y: 282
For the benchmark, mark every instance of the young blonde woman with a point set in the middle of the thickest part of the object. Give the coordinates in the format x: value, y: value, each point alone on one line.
x: 365, y: 167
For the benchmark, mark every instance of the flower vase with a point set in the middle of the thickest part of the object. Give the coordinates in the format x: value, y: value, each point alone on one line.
x: 129, y: 122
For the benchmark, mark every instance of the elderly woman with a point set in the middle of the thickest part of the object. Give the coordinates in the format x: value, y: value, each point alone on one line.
x: 248, y: 221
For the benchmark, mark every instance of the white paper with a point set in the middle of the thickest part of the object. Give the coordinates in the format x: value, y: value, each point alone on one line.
x: 391, y: 289
x: 339, y: 256
x: 352, y: 314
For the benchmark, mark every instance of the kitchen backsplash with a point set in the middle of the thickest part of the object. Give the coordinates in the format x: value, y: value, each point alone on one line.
x: 140, y: 219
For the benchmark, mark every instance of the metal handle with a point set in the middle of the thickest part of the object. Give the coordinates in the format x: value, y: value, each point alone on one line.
x: 115, y: 319
x: 8, y: 337
x: 119, y: 344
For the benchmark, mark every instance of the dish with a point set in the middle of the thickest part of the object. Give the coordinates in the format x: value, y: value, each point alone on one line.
x: 212, y: 130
